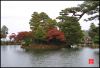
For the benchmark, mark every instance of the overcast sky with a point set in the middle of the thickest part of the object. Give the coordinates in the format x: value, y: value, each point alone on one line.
x: 16, y: 14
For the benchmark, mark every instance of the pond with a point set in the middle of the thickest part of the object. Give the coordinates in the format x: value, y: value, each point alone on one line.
x: 14, y: 56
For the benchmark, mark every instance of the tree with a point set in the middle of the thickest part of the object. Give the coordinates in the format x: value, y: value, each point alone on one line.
x: 4, y: 32
x: 92, y: 9
x: 70, y: 16
x: 55, y: 36
x: 94, y: 33
x: 38, y: 20
x: 91, y: 30
x: 39, y: 35
x: 96, y: 39
x: 88, y: 7
x: 71, y: 28
x: 36, y: 24
x: 25, y: 37
x: 39, y: 23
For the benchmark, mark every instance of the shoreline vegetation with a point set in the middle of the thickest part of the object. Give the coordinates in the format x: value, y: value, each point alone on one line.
x: 42, y: 46
x: 45, y: 46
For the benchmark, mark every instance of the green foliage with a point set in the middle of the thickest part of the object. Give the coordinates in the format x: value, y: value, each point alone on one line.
x: 50, y: 23
x: 96, y: 39
x: 69, y: 20
x: 37, y: 24
x: 4, y: 31
x: 71, y: 29
x: 85, y: 32
x: 92, y: 30
x: 39, y: 33
x: 27, y: 41
x: 92, y: 8
x: 38, y: 20
x: 87, y: 7
x: 94, y: 33
x: 92, y: 26
x: 40, y: 23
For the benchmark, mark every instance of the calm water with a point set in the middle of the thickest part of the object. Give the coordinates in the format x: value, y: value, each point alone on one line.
x: 14, y: 56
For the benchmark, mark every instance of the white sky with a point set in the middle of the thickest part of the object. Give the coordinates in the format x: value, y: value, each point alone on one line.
x: 16, y: 14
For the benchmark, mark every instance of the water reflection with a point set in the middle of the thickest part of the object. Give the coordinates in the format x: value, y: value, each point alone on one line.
x: 14, y: 56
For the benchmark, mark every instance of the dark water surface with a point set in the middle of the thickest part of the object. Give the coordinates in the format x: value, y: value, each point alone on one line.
x: 14, y: 56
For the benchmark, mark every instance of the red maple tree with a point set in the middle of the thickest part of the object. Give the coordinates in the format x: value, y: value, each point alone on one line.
x: 54, y: 33
x: 23, y: 35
